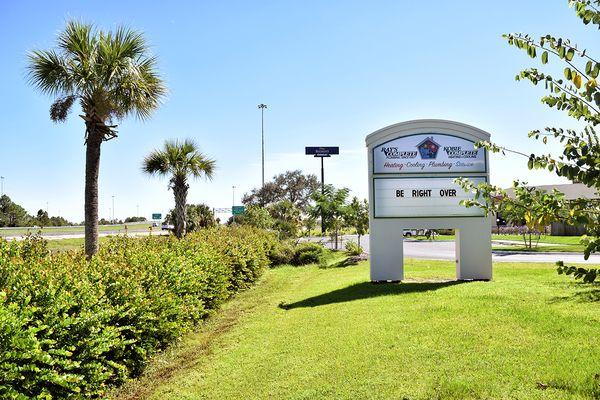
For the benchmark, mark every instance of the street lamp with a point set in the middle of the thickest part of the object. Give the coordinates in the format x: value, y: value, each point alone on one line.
x: 262, y: 137
x: 113, y: 209
x: 1, y: 186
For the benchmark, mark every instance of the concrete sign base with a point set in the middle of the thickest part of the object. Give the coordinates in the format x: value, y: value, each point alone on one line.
x: 412, y: 167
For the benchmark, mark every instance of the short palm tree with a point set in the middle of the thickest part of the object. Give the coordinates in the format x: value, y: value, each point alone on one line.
x: 111, y: 75
x: 180, y: 160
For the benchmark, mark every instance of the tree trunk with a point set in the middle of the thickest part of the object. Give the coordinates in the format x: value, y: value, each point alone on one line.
x: 336, y: 238
x: 180, y: 189
x: 92, y: 168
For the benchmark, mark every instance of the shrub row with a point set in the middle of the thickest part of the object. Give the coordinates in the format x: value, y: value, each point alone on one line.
x: 70, y: 328
x: 297, y: 254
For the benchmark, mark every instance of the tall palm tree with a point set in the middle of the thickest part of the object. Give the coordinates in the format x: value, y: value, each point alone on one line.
x: 180, y: 160
x: 111, y: 75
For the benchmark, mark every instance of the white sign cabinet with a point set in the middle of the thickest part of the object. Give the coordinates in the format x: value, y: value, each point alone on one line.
x: 412, y: 168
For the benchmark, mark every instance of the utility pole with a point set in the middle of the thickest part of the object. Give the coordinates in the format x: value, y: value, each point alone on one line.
x: 113, y: 209
x: 1, y: 186
x: 262, y: 137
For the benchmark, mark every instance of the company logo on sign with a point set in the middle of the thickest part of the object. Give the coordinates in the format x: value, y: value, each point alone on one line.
x: 458, y: 152
x: 394, y: 153
x: 428, y: 153
x: 428, y: 149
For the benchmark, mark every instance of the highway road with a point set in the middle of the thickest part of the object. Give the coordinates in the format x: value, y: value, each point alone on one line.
x: 445, y: 250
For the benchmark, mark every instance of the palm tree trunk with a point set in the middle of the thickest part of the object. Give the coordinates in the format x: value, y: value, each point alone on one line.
x: 180, y: 189
x: 92, y: 167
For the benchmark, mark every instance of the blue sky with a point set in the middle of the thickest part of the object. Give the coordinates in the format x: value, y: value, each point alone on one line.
x: 331, y: 73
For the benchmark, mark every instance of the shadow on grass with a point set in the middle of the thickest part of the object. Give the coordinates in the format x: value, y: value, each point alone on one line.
x: 590, y: 294
x: 345, y: 262
x: 367, y: 290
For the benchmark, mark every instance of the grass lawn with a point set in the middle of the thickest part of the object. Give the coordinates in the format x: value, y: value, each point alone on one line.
x: 65, y: 230
x: 561, y: 243
x: 550, y: 248
x: 70, y: 244
x: 311, y: 333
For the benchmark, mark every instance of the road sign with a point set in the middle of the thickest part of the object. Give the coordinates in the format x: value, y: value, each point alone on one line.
x: 156, y: 216
x: 238, y: 210
x: 322, y: 151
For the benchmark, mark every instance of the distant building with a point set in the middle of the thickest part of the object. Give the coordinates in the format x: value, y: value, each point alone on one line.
x: 572, y: 191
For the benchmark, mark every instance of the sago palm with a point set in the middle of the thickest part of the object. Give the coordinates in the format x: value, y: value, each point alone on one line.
x: 111, y: 75
x: 180, y: 160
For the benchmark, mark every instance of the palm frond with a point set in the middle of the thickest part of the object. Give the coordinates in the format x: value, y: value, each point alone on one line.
x: 60, y: 108
x: 78, y: 41
x: 202, y: 165
x: 49, y: 72
x: 181, y: 159
x: 156, y: 163
x: 112, y: 72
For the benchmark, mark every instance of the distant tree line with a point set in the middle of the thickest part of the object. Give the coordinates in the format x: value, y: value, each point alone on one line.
x: 198, y: 216
x: 12, y: 215
x: 293, y: 205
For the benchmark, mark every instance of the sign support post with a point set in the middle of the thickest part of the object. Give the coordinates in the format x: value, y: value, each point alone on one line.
x: 412, y: 170
x: 322, y: 152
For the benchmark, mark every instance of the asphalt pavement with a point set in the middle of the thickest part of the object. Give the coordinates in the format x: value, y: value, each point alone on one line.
x: 445, y: 250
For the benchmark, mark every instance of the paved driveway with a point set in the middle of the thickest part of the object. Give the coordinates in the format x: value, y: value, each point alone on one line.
x: 445, y: 250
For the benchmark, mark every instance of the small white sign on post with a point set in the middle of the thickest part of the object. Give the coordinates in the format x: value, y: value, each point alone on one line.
x: 412, y: 170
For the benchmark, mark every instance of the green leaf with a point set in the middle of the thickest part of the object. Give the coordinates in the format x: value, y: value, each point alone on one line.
x: 568, y: 73
x: 577, y: 80
x: 570, y: 54
x: 595, y: 71
x: 545, y: 57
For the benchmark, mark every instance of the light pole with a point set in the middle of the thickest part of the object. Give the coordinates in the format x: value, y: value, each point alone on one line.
x: 262, y: 138
x: 113, y: 209
x: 1, y: 186
x: 137, y: 210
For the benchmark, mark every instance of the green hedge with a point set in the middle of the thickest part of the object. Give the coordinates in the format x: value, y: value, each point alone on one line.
x: 308, y: 253
x: 70, y: 328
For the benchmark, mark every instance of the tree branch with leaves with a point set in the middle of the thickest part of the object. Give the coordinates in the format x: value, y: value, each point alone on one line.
x: 576, y: 93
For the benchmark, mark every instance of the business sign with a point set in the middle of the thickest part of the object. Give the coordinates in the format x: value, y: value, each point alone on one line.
x: 321, y: 151
x: 411, y: 186
x: 238, y: 210
x: 156, y: 216
x: 428, y: 153
x: 422, y: 198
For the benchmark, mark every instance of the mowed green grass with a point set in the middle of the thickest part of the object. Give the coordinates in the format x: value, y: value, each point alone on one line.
x: 66, y: 230
x: 71, y: 243
x: 549, y: 243
x: 313, y: 333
